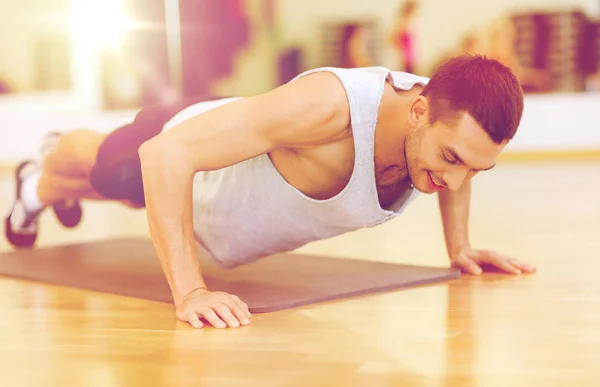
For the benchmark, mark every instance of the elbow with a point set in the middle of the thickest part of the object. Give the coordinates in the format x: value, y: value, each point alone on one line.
x: 147, y: 154
x: 158, y: 157
x: 152, y: 153
x: 148, y: 150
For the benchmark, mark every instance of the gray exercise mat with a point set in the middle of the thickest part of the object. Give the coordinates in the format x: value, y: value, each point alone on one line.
x: 129, y: 267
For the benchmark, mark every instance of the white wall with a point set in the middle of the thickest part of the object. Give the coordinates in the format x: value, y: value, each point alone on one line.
x: 22, y: 23
x: 25, y: 120
x: 561, y: 122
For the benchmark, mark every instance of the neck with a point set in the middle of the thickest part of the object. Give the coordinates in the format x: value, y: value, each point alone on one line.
x: 392, y: 132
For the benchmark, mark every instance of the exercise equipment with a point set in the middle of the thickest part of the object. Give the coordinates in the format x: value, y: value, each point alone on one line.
x: 129, y: 267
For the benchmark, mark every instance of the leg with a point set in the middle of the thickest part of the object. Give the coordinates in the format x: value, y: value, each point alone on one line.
x: 66, y: 168
x: 79, y: 163
x: 117, y: 173
x: 54, y: 189
x: 72, y: 153
x: 83, y: 164
x: 60, y: 180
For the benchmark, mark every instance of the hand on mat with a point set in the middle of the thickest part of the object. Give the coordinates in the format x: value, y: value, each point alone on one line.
x: 218, y: 308
x: 471, y: 261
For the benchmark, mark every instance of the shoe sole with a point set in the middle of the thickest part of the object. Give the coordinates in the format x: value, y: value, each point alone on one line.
x: 16, y: 239
x: 69, y: 217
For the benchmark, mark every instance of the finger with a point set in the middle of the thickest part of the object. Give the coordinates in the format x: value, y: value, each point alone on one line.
x: 523, y: 266
x: 225, y: 313
x: 504, y: 264
x: 194, y: 320
x: 467, y: 265
x: 491, y: 258
x: 242, y: 305
x: 238, y: 310
x: 214, y: 320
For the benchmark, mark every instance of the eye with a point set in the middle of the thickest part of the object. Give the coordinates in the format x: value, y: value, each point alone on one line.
x: 449, y: 159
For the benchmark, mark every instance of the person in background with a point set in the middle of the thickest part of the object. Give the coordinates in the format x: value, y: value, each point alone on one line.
x: 403, y: 36
x: 498, y: 42
x: 354, y: 47
x: 501, y: 37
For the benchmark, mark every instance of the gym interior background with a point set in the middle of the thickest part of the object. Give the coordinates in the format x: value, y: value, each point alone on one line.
x: 77, y: 62
x: 88, y: 63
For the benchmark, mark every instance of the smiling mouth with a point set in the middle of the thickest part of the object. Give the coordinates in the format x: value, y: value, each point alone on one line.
x: 434, y: 183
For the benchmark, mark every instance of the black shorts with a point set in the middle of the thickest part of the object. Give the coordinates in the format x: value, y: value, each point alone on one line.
x: 117, y: 173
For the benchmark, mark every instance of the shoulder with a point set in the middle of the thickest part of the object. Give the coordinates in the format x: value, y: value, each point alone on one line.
x: 348, y: 77
x: 406, y: 81
x: 310, y: 110
x: 322, y: 99
x: 399, y: 88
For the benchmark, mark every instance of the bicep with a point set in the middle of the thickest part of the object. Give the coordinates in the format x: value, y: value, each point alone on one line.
x: 309, y: 111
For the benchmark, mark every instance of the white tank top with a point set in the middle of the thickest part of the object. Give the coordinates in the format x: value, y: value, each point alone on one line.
x: 248, y: 211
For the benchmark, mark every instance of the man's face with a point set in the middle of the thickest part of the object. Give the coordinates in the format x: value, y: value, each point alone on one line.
x: 446, y: 155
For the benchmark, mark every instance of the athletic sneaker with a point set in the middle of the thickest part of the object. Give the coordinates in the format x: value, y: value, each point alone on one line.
x: 68, y: 213
x: 21, y: 224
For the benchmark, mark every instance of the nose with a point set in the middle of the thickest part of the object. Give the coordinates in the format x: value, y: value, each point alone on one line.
x: 455, y: 178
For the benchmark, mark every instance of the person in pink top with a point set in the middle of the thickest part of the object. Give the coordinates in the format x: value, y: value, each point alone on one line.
x: 403, y: 36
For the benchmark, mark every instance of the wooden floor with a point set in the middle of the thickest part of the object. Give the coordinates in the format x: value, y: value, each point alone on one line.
x: 541, y: 330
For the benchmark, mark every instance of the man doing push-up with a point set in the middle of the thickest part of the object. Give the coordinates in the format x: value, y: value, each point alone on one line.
x: 238, y: 179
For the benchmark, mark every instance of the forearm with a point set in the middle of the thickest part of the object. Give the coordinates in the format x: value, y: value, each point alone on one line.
x: 168, y: 193
x: 454, y: 209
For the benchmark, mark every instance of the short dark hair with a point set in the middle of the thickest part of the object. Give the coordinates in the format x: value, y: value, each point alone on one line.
x: 484, y: 88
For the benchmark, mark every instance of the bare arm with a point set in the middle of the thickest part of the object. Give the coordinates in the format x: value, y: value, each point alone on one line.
x: 454, y: 207
x: 309, y: 111
x: 454, y: 210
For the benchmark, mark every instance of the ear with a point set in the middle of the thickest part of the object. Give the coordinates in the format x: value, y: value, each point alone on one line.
x: 419, y: 110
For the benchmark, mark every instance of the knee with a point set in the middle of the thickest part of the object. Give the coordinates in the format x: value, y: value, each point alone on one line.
x: 78, y: 146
